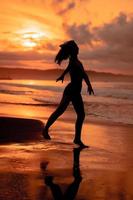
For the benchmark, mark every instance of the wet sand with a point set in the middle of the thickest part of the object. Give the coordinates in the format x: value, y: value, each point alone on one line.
x: 58, y: 169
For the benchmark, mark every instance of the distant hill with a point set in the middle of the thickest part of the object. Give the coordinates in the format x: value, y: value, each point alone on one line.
x: 50, y: 74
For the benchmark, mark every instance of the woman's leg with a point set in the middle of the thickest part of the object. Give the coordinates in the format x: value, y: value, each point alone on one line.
x: 59, y: 111
x: 79, y: 108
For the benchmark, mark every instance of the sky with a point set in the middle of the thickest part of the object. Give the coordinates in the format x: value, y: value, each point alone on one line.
x: 32, y: 30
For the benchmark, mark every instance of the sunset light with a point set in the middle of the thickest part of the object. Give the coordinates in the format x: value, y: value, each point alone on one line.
x: 33, y: 39
x: 33, y: 36
x: 66, y: 99
x: 29, y: 43
x: 103, y: 35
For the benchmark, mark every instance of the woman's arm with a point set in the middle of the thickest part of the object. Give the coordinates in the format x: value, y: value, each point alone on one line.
x: 86, y: 78
x: 90, y: 89
x: 61, y: 78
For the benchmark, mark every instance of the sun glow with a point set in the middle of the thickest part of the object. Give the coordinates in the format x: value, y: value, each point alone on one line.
x: 33, y: 36
x: 31, y: 82
x: 32, y: 39
x: 29, y: 43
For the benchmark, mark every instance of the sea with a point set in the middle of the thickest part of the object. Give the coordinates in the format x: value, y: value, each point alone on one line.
x: 105, y: 167
x: 112, y: 101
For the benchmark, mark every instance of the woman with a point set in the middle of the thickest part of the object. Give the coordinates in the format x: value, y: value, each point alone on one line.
x: 72, y: 92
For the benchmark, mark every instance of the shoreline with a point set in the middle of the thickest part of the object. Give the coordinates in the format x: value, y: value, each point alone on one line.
x: 92, y: 121
x: 30, y: 128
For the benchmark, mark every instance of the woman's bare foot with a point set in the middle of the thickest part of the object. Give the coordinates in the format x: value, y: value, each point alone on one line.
x: 43, y: 165
x: 45, y: 134
x: 80, y: 143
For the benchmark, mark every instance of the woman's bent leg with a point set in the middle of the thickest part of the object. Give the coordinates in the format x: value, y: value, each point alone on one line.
x: 58, y: 112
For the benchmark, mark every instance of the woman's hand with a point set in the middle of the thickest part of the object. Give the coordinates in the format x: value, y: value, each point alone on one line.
x: 61, y: 78
x: 90, y: 90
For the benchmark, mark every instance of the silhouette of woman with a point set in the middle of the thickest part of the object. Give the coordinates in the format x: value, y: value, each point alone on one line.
x: 72, y: 92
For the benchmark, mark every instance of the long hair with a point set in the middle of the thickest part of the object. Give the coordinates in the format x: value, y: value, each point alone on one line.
x: 68, y: 49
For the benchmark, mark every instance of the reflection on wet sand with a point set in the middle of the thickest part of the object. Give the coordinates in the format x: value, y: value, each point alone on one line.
x: 72, y: 189
x: 60, y: 177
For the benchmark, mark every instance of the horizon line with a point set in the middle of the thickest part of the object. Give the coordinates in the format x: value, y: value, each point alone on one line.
x: 50, y: 69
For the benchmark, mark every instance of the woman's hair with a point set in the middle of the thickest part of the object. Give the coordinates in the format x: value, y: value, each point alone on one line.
x: 68, y: 49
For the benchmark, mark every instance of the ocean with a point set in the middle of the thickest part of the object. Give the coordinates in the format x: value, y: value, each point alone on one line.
x: 113, y: 101
x: 105, y: 167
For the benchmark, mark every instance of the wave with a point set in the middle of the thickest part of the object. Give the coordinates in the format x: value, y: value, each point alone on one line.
x: 114, y: 112
x: 13, y: 92
x: 36, y: 87
x: 111, y: 101
x: 94, y: 110
x: 118, y: 91
x: 30, y: 104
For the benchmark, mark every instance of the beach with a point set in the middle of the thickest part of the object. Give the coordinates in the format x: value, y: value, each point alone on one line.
x: 66, y: 100
x: 32, y: 168
x: 104, y: 169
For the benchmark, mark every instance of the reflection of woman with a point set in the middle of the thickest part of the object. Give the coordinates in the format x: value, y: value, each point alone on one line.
x: 72, y: 92
x: 72, y: 189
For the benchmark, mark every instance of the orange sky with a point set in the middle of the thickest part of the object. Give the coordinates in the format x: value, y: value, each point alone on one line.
x: 31, y: 31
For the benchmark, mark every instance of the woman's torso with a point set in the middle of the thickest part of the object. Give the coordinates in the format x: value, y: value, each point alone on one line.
x: 76, y: 77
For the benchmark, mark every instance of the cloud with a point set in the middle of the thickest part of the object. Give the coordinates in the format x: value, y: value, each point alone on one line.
x: 11, y: 63
x: 79, y: 33
x: 108, y: 46
x: 49, y: 46
x: 68, y: 7
x: 27, y: 59
x: 115, y: 50
x: 25, y: 56
x: 117, y: 33
x: 36, y: 17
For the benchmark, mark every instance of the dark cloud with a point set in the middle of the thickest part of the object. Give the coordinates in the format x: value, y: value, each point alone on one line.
x: 11, y: 63
x: 116, y: 45
x: 79, y: 33
x: 68, y: 7
x: 25, y: 56
x: 26, y: 59
x: 46, y: 46
x: 117, y: 33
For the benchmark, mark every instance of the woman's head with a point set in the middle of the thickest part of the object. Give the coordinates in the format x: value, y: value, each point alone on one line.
x: 68, y: 49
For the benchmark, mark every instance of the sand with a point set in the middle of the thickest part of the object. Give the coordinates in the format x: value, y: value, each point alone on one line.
x: 35, y: 169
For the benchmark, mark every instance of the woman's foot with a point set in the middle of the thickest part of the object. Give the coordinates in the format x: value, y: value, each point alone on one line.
x: 49, y: 180
x: 45, y: 134
x: 43, y: 165
x: 80, y: 143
